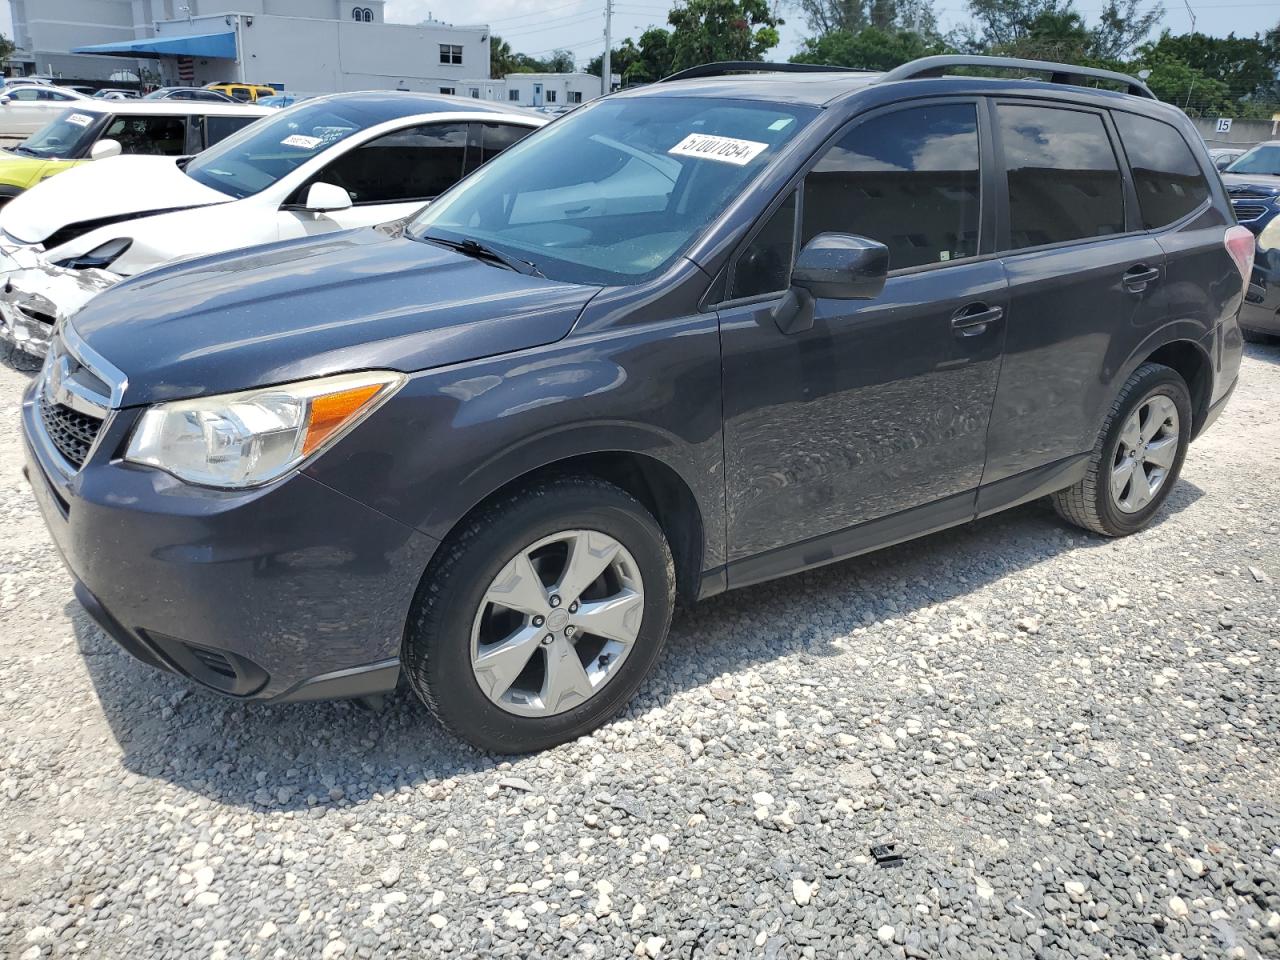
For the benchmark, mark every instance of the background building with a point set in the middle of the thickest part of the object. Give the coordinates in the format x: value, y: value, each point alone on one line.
x: 550, y: 89
x: 310, y: 46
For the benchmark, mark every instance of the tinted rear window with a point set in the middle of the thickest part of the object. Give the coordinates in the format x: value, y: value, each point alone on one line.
x: 1165, y: 173
x: 1064, y: 181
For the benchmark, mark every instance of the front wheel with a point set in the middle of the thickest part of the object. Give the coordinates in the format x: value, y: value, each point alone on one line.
x: 1137, y: 457
x: 542, y: 615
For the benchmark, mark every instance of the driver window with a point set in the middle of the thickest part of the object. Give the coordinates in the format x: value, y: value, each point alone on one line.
x: 908, y: 179
x: 162, y: 136
x: 419, y: 163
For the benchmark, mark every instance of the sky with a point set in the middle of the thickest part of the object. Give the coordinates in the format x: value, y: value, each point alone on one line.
x: 537, y: 27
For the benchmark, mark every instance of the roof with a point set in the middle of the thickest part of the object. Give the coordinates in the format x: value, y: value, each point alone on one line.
x: 382, y: 105
x: 814, y: 89
x: 168, y: 107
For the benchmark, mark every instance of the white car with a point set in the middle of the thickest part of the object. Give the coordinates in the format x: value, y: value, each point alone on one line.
x: 331, y: 163
x: 27, y: 107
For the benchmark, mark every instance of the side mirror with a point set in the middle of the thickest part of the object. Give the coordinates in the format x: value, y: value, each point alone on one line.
x: 105, y: 148
x: 832, y: 266
x: 5, y: 101
x: 324, y: 197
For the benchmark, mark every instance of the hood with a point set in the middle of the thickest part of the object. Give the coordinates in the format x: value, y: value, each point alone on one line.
x: 19, y: 171
x: 1251, y: 183
x: 115, y: 188
x: 357, y: 300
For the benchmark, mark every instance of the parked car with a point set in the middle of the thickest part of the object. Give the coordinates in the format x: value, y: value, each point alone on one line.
x: 189, y: 93
x: 97, y: 129
x: 115, y: 93
x: 335, y: 162
x: 1223, y: 157
x: 690, y: 337
x: 27, y: 107
x: 244, y: 92
x: 80, y: 89
x: 281, y: 100
x: 7, y: 82
x: 1253, y: 183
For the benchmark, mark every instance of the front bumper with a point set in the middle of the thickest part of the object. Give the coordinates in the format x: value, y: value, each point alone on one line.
x: 289, y: 592
x: 35, y: 297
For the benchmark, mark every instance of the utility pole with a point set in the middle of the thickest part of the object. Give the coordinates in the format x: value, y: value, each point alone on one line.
x: 606, y: 67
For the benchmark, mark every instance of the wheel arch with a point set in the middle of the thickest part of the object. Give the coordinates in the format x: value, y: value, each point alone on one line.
x: 659, y: 487
x: 1190, y: 361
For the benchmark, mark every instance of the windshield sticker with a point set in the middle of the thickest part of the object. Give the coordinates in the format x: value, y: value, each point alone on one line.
x: 299, y: 140
x: 782, y: 124
x: 80, y: 119
x: 723, y: 149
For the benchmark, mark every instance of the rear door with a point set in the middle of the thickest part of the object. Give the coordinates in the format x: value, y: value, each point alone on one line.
x: 163, y: 135
x: 1085, y: 280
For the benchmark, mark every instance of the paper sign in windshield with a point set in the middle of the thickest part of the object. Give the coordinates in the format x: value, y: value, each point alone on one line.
x: 299, y: 140
x: 80, y: 119
x: 724, y: 149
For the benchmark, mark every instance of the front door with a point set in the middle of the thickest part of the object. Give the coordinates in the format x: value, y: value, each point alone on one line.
x: 883, y: 405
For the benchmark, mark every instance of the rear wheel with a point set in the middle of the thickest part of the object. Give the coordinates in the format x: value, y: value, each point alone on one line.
x: 542, y: 615
x: 1137, y: 457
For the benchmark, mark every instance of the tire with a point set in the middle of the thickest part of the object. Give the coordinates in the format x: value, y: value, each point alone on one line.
x: 454, y: 614
x: 1255, y: 336
x: 1091, y: 503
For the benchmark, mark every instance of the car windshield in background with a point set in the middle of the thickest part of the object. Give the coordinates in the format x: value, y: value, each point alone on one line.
x: 1264, y: 159
x: 64, y: 138
x: 253, y: 159
x: 614, y: 192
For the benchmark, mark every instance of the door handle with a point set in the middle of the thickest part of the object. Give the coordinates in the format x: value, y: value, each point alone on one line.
x: 973, y: 319
x: 1136, y: 279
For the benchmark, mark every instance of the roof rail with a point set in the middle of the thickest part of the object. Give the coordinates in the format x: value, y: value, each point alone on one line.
x: 1058, y: 72
x: 723, y: 67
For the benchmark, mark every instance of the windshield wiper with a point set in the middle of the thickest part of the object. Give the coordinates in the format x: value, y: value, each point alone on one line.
x: 24, y: 149
x: 474, y: 248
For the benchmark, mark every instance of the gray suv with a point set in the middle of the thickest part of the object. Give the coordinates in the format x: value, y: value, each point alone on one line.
x: 685, y: 339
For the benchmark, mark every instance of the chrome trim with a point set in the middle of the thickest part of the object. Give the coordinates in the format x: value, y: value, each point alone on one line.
x: 96, y: 364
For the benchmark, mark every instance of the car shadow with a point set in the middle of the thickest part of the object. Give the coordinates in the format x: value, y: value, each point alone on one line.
x: 236, y: 752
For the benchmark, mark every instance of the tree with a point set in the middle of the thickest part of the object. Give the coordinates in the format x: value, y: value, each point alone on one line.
x: 1121, y: 25
x: 1176, y: 82
x: 560, y: 61
x: 6, y: 47
x: 869, y: 49
x: 1248, y: 65
x: 852, y: 16
x: 623, y: 57
x: 501, y: 58
x: 709, y: 30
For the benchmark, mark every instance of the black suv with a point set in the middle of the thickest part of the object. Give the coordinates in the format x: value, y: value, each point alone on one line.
x: 684, y: 339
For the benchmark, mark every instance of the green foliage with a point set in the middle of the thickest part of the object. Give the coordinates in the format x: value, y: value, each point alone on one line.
x: 501, y: 58
x: 870, y: 48
x: 705, y: 31
x: 6, y: 47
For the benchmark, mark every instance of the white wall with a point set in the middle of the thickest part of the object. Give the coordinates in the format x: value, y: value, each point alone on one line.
x: 557, y: 89
x: 328, y: 56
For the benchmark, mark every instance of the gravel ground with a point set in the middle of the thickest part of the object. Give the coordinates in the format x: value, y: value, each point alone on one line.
x: 1071, y: 741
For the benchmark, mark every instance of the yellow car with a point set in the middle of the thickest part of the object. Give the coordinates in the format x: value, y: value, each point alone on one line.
x: 244, y: 92
x: 94, y: 129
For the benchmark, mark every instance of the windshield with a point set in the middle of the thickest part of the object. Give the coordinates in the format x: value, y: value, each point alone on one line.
x: 249, y: 161
x: 1264, y: 159
x: 614, y: 192
x: 64, y: 138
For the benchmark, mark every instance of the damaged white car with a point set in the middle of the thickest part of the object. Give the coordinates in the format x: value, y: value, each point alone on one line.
x: 331, y: 163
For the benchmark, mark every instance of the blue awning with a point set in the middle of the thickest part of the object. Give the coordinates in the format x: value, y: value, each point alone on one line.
x: 208, y: 46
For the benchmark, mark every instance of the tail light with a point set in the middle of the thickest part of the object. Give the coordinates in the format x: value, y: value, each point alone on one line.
x: 1240, y: 244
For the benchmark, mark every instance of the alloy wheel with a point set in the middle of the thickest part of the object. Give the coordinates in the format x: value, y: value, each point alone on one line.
x: 1145, y: 454
x: 556, y: 623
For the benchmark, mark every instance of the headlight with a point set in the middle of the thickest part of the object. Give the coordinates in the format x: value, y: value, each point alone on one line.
x: 101, y: 256
x: 239, y: 440
x: 1269, y: 238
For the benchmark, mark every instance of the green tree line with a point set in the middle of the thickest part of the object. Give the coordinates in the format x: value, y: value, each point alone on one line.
x: 1205, y: 75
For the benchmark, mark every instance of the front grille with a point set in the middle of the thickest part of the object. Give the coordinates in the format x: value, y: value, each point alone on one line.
x: 1249, y: 211
x: 1247, y: 194
x: 71, y: 432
